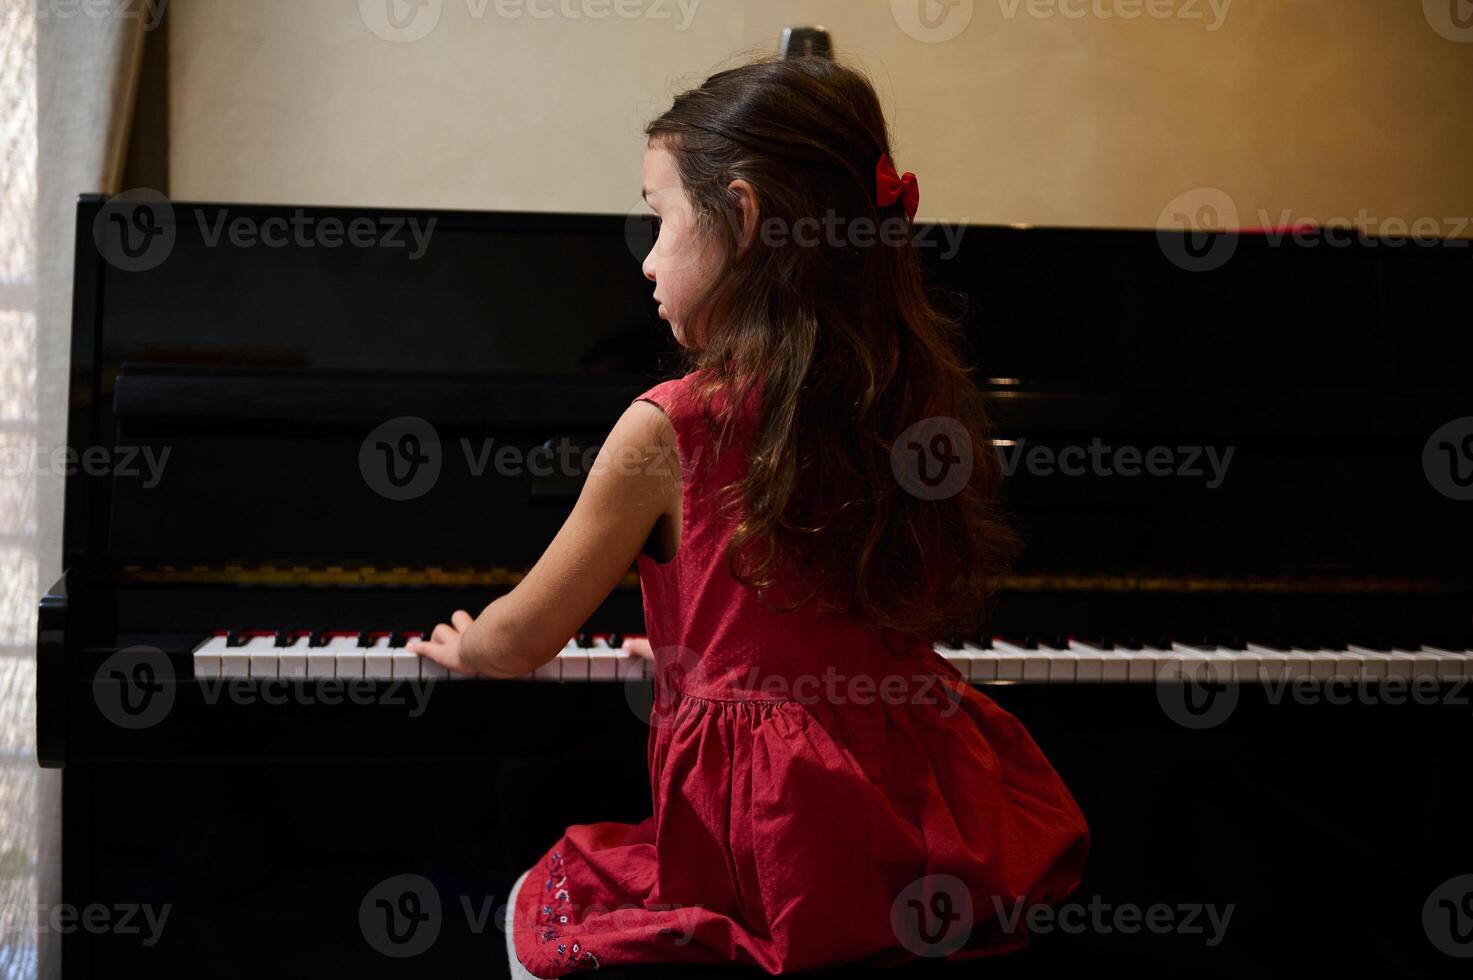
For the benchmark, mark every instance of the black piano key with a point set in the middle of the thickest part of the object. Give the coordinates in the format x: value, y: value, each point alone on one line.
x: 585, y: 640
x: 239, y: 638
x: 616, y: 640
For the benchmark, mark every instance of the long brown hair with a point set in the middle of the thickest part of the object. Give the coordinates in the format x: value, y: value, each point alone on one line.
x: 848, y: 352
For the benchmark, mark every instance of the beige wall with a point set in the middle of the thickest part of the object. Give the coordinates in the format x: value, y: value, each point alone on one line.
x: 1324, y: 108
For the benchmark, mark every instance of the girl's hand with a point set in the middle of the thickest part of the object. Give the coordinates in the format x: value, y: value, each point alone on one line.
x: 443, y: 646
x: 639, y: 647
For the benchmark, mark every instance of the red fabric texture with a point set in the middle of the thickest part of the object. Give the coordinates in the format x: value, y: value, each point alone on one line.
x: 791, y: 811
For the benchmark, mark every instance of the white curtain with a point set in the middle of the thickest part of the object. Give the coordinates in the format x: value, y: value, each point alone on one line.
x: 20, y: 534
x: 67, y: 79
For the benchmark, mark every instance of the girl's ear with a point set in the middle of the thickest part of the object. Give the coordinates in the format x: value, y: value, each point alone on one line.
x: 745, y: 197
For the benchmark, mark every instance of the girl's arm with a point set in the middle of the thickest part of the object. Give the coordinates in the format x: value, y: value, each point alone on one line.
x: 633, y: 483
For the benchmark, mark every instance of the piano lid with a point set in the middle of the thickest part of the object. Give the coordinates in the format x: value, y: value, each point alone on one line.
x: 1261, y: 419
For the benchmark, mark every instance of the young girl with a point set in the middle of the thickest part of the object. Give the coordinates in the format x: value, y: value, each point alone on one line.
x: 826, y: 789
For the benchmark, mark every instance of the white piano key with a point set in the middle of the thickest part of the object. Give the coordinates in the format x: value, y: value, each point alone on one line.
x: 1324, y: 664
x: 1038, y: 664
x: 981, y: 663
x: 1143, y: 665
x: 1248, y: 664
x: 1374, y: 665
x: 1453, y: 664
x: 1062, y: 666
x: 1350, y: 666
x: 431, y: 671
x: 603, y: 661
x: 378, y: 660
x: 1188, y: 664
x: 1221, y: 666
x: 294, y: 657
x: 343, y: 654
x: 403, y: 664
x: 321, y: 662
x: 1168, y: 668
x: 1382, y: 663
x: 1402, y: 664
x: 1300, y: 663
x: 1089, y: 664
x: 1010, y: 661
x: 1275, y: 666
x: 1115, y: 665
x: 262, y: 656
x: 574, y: 662
x: 207, y: 656
x: 1362, y: 663
x: 235, y: 662
x: 1424, y: 663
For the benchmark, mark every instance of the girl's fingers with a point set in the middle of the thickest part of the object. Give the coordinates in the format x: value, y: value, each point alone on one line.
x: 639, y: 647
x: 444, y: 633
x: 462, y: 620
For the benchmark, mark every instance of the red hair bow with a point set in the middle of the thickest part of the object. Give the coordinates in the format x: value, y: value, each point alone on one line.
x: 891, y: 187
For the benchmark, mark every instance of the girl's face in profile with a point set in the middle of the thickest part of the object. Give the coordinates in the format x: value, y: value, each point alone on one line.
x: 683, y: 262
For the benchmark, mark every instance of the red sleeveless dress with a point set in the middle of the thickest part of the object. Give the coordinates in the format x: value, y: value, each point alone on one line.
x: 807, y: 784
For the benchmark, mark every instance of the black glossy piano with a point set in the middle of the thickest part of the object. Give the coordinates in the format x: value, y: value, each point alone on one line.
x: 1242, y: 628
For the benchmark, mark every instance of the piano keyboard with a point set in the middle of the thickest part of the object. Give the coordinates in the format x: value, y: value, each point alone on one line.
x: 382, y: 656
x: 599, y: 657
x: 1073, y: 661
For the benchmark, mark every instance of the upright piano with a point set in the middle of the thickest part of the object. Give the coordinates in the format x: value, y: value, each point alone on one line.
x: 1242, y: 627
